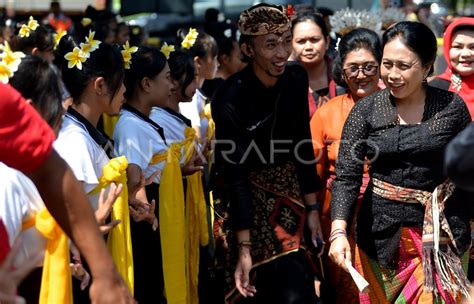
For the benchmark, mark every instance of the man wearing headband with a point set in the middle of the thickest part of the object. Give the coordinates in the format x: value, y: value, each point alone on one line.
x: 265, y: 152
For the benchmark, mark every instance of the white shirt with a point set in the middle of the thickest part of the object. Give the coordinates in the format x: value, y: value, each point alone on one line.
x: 138, y: 141
x: 194, y: 110
x: 20, y: 201
x: 85, y: 157
x: 172, y: 125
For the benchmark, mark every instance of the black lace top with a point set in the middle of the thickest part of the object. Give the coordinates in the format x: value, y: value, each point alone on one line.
x: 404, y: 155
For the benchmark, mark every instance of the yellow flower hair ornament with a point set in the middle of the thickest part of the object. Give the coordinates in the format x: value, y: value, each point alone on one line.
x: 86, y: 21
x: 75, y: 58
x: 127, y: 54
x: 26, y: 29
x: 79, y: 55
x: 58, y: 36
x: 86, y: 49
x: 9, y: 62
x: 190, y: 38
x: 167, y: 50
x: 93, y: 43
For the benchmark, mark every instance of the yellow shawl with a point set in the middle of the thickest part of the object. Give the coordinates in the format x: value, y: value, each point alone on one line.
x: 119, y: 240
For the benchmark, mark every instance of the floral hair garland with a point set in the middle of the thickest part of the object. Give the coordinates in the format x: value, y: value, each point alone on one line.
x: 9, y: 62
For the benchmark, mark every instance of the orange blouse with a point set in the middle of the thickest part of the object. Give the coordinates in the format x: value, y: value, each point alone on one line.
x: 326, y: 132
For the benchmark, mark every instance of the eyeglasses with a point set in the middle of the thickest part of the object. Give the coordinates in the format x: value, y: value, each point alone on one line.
x: 367, y: 70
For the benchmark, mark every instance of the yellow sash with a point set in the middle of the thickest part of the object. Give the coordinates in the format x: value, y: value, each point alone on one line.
x: 119, y: 240
x: 109, y: 122
x: 172, y: 225
x: 56, y: 280
x: 196, y: 218
x: 211, y: 129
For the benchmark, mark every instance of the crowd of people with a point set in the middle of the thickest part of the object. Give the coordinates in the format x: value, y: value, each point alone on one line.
x: 217, y: 170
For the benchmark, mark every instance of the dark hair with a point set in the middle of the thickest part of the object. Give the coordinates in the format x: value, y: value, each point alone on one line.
x: 106, y: 62
x: 205, y: 44
x: 226, y: 46
x: 462, y: 27
x: 37, y: 80
x: 40, y: 38
x: 314, y: 17
x: 146, y: 62
x: 245, y: 39
x: 65, y: 45
x: 417, y: 37
x: 182, y: 69
x: 360, y: 38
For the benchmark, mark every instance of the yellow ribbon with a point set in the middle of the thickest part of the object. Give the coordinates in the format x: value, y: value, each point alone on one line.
x: 56, y: 280
x: 172, y: 225
x: 119, y: 240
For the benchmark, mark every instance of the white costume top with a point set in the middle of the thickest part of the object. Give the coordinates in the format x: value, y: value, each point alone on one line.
x: 173, y: 124
x: 82, y: 153
x: 194, y: 110
x: 19, y: 202
x: 138, y: 140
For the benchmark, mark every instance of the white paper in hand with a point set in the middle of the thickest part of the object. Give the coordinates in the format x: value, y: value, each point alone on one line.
x: 361, y: 283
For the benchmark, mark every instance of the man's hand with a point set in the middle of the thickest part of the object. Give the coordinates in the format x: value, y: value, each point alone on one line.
x: 314, y: 225
x: 109, y: 288
x: 242, y: 271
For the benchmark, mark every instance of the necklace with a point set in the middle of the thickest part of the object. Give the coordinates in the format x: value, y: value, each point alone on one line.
x: 456, y: 82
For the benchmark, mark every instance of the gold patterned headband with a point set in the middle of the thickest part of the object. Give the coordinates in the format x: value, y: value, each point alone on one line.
x: 263, y: 19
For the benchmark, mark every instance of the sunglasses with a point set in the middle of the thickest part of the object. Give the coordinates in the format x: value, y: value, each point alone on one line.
x: 367, y: 70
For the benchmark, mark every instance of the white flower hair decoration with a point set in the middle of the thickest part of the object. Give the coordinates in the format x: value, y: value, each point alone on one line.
x: 390, y: 16
x: 346, y: 20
